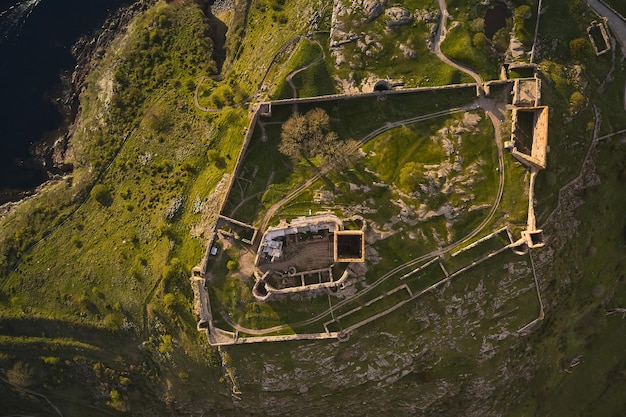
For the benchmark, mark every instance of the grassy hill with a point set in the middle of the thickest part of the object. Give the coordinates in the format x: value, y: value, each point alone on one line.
x: 95, y: 303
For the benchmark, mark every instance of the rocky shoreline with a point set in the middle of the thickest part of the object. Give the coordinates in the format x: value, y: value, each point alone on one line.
x: 49, y: 153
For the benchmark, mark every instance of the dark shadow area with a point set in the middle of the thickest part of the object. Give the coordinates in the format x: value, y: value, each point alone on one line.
x: 524, y: 131
x: 349, y: 246
x: 218, y: 30
x: 495, y: 19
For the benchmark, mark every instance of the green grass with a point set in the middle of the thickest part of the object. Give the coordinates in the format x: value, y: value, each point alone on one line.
x: 387, y: 156
x: 424, y: 278
x: 388, y: 61
x: 437, y: 339
x: 313, y: 81
x: 128, y: 260
x: 459, y: 47
x: 465, y: 258
x: 618, y: 6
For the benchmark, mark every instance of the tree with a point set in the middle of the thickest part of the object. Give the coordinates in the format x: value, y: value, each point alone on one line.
x: 477, y: 25
x: 159, y: 119
x: 102, y: 195
x: 500, y: 40
x: 522, y: 13
x: 232, y: 265
x: 308, y: 136
x: 480, y: 40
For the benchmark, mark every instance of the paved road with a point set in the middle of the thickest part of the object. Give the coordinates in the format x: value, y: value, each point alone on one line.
x: 616, y: 23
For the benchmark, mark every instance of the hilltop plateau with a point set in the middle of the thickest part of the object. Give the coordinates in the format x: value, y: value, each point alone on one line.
x: 356, y: 207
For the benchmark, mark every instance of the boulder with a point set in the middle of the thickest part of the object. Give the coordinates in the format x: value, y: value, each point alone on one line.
x: 408, y: 52
x: 373, y: 8
x: 398, y: 16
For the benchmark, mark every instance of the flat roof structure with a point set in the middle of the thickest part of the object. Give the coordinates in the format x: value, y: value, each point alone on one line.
x: 526, y: 92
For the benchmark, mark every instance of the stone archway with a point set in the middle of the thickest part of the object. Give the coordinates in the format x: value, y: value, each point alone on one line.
x: 382, y: 85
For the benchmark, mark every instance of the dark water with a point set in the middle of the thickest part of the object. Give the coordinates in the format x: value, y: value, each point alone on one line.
x: 495, y: 19
x: 36, y: 37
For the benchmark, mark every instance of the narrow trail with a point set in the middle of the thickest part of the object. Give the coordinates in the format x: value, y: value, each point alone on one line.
x: 259, y: 85
x: 5, y: 280
x: 36, y: 394
x: 436, y: 48
x: 493, y: 109
x: 289, y: 77
x: 495, y: 113
x: 327, y: 168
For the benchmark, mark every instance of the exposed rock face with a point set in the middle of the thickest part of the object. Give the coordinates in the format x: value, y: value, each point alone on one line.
x: 427, y: 15
x: 408, y: 52
x: 373, y: 8
x: 53, y: 149
x: 398, y: 16
x: 516, y: 48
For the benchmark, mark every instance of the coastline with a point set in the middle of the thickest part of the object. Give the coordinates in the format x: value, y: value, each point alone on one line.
x: 50, y: 153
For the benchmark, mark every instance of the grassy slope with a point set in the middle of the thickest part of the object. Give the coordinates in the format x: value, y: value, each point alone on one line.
x: 72, y: 332
x: 118, y: 271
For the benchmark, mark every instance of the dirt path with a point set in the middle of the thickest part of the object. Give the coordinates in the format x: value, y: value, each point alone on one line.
x: 436, y: 48
x: 289, y: 78
x: 495, y: 112
x: 36, y: 394
x: 327, y: 168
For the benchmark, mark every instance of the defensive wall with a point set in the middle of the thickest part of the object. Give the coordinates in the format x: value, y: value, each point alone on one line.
x: 218, y: 337
x: 350, y: 96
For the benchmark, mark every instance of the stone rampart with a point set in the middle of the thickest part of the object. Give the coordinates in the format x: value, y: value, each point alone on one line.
x: 350, y: 96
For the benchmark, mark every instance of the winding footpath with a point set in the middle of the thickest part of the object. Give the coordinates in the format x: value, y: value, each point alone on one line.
x: 327, y: 168
x: 289, y: 77
x: 495, y: 111
x: 492, y: 112
x: 436, y: 48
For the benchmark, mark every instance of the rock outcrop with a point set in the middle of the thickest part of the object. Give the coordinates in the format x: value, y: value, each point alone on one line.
x: 398, y: 16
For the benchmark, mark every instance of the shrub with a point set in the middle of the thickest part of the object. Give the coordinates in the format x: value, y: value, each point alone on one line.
x: 170, y: 301
x: 480, y: 40
x: 232, y: 265
x: 501, y: 40
x: 576, y: 102
x: 21, y: 374
x: 50, y: 360
x: 579, y: 48
x: 75, y: 240
x: 102, y: 195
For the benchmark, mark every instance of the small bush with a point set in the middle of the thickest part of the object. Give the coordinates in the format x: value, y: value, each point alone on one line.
x: 50, y: 360
x: 102, y: 195
x: 75, y: 240
x: 232, y: 265
x: 579, y: 48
